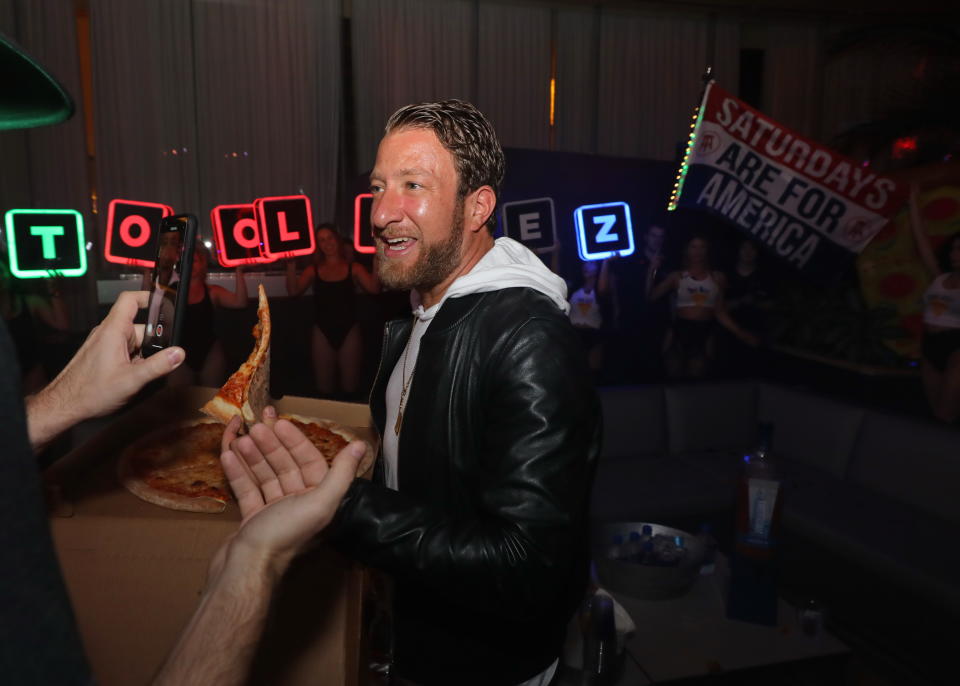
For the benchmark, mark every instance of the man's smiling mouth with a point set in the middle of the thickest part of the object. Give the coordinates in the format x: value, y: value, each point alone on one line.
x: 397, y: 244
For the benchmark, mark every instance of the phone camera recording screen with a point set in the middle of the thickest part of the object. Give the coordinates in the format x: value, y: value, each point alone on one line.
x: 163, y: 292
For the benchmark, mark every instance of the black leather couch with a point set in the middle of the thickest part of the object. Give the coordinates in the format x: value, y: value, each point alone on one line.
x: 871, y: 507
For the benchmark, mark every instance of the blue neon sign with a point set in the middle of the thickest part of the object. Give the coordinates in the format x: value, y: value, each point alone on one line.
x: 603, y: 230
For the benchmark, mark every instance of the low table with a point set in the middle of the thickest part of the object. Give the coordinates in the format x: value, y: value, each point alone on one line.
x: 690, y: 636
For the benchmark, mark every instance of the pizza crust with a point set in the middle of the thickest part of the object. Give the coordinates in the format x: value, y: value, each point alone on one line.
x: 220, y: 410
x: 172, y: 501
x: 129, y: 476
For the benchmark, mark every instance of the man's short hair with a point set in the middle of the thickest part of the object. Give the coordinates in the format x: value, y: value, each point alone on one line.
x: 467, y: 134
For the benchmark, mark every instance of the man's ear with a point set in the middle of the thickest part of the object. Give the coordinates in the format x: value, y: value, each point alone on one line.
x: 479, y: 207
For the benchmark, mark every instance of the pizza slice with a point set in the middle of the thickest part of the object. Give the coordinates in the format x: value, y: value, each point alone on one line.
x: 330, y: 438
x: 247, y: 391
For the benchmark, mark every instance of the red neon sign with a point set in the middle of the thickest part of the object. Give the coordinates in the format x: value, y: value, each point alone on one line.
x: 904, y: 146
x: 237, y: 235
x: 286, y: 226
x: 362, y: 231
x: 131, y: 238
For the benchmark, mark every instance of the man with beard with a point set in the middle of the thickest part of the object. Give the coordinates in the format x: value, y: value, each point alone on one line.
x: 489, y: 422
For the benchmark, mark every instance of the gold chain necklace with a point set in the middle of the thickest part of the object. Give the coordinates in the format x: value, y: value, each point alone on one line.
x: 406, y: 381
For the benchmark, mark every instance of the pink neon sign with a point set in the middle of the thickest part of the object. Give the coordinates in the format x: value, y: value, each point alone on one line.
x: 362, y: 229
x: 237, y: 235
x: 131, y: 234
x: 286, y: 226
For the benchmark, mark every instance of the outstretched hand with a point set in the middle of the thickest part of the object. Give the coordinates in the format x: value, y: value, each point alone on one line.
x: 286, y: 494
x: 286, y: 491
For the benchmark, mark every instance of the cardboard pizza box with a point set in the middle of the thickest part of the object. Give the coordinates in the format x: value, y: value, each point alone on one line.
x: 135, y: 571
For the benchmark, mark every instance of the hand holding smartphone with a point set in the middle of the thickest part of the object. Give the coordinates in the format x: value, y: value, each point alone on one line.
x: 169, y: 283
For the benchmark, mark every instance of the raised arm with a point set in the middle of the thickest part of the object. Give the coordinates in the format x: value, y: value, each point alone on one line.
x: 237, y: 299
x: 671, y: 283
x: 511, y: 557
x: 297, y: 285
x: 368, y: 281
x: 102, y: 376
x: 603, y: 281
x: 608, y: 285
x: 920, y: 239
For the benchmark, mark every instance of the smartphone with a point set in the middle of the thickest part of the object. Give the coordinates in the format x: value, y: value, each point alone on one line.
x: 169, y: 283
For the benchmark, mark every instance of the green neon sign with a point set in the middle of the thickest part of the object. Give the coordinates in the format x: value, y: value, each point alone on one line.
x: 47, y: 234
x: 23, y: 265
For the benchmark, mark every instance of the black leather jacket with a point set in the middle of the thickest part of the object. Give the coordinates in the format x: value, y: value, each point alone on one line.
x: 486, y: 538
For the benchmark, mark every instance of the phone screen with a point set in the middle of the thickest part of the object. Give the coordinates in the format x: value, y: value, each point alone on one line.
x: 166, y: 284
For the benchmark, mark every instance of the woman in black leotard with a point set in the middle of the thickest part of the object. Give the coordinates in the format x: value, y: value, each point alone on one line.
x: 336, y: 346
x: 206, y: 363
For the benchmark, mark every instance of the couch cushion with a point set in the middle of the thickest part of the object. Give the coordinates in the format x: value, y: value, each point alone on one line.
x: 887, y: 537
x: 633, y: 421
x: 910, y: 460
x: 809, y: 428
x: 653, y: 489
x: 727, y: 469
x: 724, y: 467
x: 707, y: 417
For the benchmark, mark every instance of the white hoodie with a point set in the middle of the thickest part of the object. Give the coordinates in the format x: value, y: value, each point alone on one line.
x: 507, y: 265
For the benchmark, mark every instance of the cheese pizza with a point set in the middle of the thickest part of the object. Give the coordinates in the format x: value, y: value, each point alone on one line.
x: 247, y: 391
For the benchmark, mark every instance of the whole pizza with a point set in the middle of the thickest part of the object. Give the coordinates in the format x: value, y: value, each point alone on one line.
x: 179, y: 468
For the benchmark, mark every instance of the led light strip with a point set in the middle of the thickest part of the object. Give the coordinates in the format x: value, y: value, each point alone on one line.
x: 695, y: 121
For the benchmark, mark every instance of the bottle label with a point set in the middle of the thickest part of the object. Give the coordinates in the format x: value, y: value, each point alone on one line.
x: 762, y: 495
